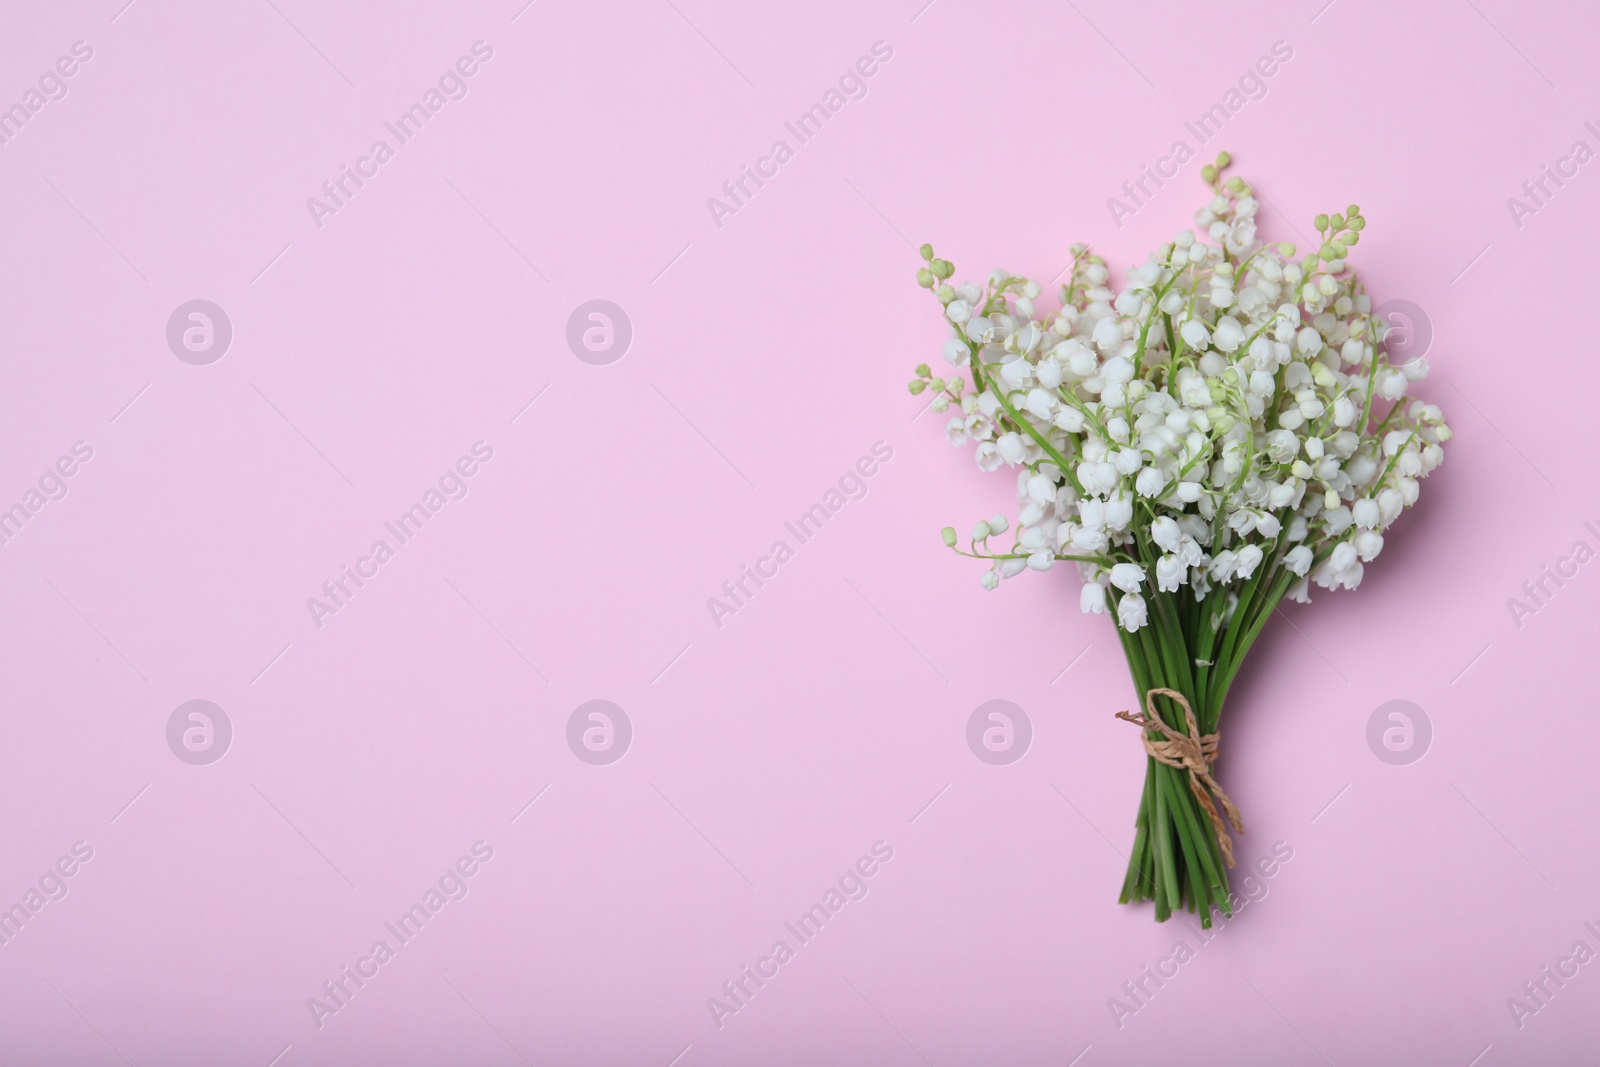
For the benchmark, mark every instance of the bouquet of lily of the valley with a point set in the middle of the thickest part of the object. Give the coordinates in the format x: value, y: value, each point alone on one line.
x: 1224, y: 432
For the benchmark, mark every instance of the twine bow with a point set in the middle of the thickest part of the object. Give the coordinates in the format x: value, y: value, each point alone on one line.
x: 1192, y: 752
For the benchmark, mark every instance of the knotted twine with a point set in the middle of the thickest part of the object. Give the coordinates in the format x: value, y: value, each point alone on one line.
x: 1193, y: 752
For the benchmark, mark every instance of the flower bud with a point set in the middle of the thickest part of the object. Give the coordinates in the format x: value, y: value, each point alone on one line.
x: 948, y: 533
x: 926, y: 251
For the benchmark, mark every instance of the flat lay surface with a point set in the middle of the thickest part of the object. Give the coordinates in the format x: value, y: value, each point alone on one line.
x: 472, y: 567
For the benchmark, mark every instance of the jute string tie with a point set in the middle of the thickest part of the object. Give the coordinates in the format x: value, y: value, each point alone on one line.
x: 1193, y: 752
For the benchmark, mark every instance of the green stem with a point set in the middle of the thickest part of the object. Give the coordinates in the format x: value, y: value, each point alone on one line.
x: 1027, y: 427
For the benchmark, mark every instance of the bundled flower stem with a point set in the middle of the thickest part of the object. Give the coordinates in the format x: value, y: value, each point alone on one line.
x: 1222, y: 433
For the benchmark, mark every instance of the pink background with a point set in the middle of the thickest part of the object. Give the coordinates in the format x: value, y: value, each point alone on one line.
x: 767, y: 356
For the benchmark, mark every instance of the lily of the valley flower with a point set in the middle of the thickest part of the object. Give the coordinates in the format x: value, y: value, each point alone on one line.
x: 1228, y: 418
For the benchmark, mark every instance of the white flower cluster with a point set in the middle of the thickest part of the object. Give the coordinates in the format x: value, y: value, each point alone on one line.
x: 1229, y: 416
